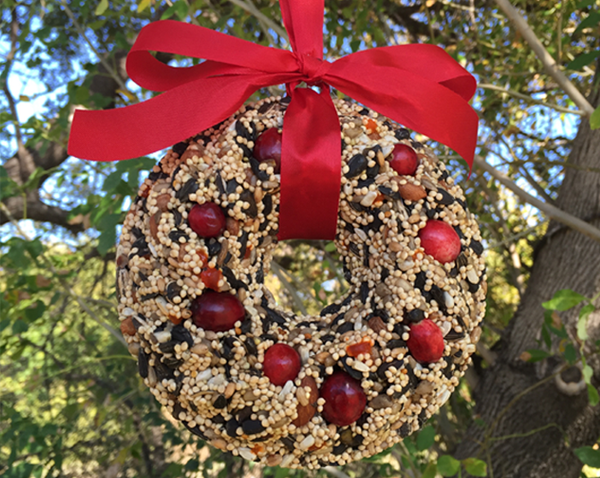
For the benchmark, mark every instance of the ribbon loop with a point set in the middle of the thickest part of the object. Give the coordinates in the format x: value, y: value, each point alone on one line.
x: 419, y: 86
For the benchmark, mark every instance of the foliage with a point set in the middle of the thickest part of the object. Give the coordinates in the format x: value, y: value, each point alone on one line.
x: 71, y: 402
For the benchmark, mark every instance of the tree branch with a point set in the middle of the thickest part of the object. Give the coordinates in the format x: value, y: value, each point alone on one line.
x: 550, y: 65
x: 551, y: 211
x: 521, y: 96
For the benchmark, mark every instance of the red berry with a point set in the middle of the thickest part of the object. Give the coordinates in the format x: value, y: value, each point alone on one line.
x: 440, y: 240
x: 345, y: 399
x: 282, y: 363
x: 404, y: 160
x: 207, y: 220
x: 217, y: 311
x: 268, y: 146
x: 426, y: 342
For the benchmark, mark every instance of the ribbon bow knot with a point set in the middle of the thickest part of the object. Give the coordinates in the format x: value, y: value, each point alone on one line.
x: 313, y: 69
x: 419, y: 86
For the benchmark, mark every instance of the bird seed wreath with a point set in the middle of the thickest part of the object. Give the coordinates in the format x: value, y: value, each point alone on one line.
x: 256, y: 380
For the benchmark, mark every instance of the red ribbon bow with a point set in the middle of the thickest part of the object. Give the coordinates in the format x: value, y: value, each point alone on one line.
x: 419, y: 86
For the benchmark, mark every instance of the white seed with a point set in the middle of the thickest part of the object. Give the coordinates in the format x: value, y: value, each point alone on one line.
x: 246, y: 454
x: 287, y: 461
x: 369, y: 199
x: 307, y: 442
x: 448, y: 300
x: 287, y: 388
x: 472, y: 276
x: 360, y: 366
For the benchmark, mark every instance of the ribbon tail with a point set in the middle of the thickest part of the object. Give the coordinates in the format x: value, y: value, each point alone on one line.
x: 310, y: 167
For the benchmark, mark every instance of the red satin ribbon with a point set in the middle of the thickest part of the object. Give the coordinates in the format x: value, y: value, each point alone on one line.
x: 419, y: 86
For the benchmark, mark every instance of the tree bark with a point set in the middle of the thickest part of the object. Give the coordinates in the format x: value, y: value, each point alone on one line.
x: 531, y: 427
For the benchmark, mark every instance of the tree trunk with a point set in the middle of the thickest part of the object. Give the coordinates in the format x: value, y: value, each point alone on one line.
x: 531, y: 428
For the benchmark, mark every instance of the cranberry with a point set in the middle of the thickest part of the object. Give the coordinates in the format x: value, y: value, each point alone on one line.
x: 282, y: 363
x: 404, y: 160
x: 345, y: 399
x: 268, y: 146
x: 440, y: 240
x: 217, y: 311
x: 207, y: 220
x: 426, y: 342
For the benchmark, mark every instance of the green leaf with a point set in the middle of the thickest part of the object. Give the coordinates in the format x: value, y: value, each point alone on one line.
x: 570, y: 353
x: 448, y: 465
x: 591, y: 21
x: 585, y: 3
x: 564, y: 299
x: 108, y: 236
x: 595, y: 119
x: 475, y: 467
x: 538, y: 355
x: 588, y: 373
x: 588, y: 456
x: 584, y: 313
x: 426, y: 438
x: 101, y: 8
x: 583, y: 60
x: 143, y: 5
x: 593, y: 396
x: 8, y: 187
x: 430, y: 471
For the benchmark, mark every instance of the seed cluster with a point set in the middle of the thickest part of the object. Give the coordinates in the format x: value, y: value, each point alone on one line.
x: 213, y: 381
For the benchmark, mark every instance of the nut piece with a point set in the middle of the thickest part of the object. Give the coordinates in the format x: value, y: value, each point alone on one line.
x: 412, y: 192
x: 306, y: 412
x: 127, y: 327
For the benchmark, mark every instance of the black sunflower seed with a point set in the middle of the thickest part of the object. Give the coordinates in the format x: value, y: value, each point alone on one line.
x: 459, y: 232
x: 252, y: 427
x: 213, y: 246
x: 181, y: 334
x: 355, y: 374
x: 357, y: 206
x: 415, y: 315
x: 265, y: 107
x: 231, y: 427
x: 461, y: 260
x: 152, y: 295
x: 180, y: 148
x: 401, y: 134
x: 173, y: 290
x: 356, y: 165
x: 243, y: 243
x: 366, y: 255
x: 220, y: 182
x: 327, y: 338
x: 386, y: 365
x: 345, y: 327
x: 162, y: 370
x: 251, y: 346
x: 177, y: 217
x: 168, y: 347
x: 232, y: 185
x: 364, y: 292
x: 354, y: 249
x: 365, y: 183
x: 396, y: 343
x: 420, y: 280
x: 385, y: 273
x: 142, y: 363
x: 453, y: 272
x: 288, y: 442
x: 228, y: 345
x: 268, y: 205
x: 339, y: 449
x: 190, y: 186
x: 220, y: 402
x: 330, y: 309
x: 260, y: 174
x: 196, y: 430
x: 248, y: 197
x: 389, y: 192
x: 233, y: 281
x: 176, y: 234
x: 374, y: 171
x: 476, y: 247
